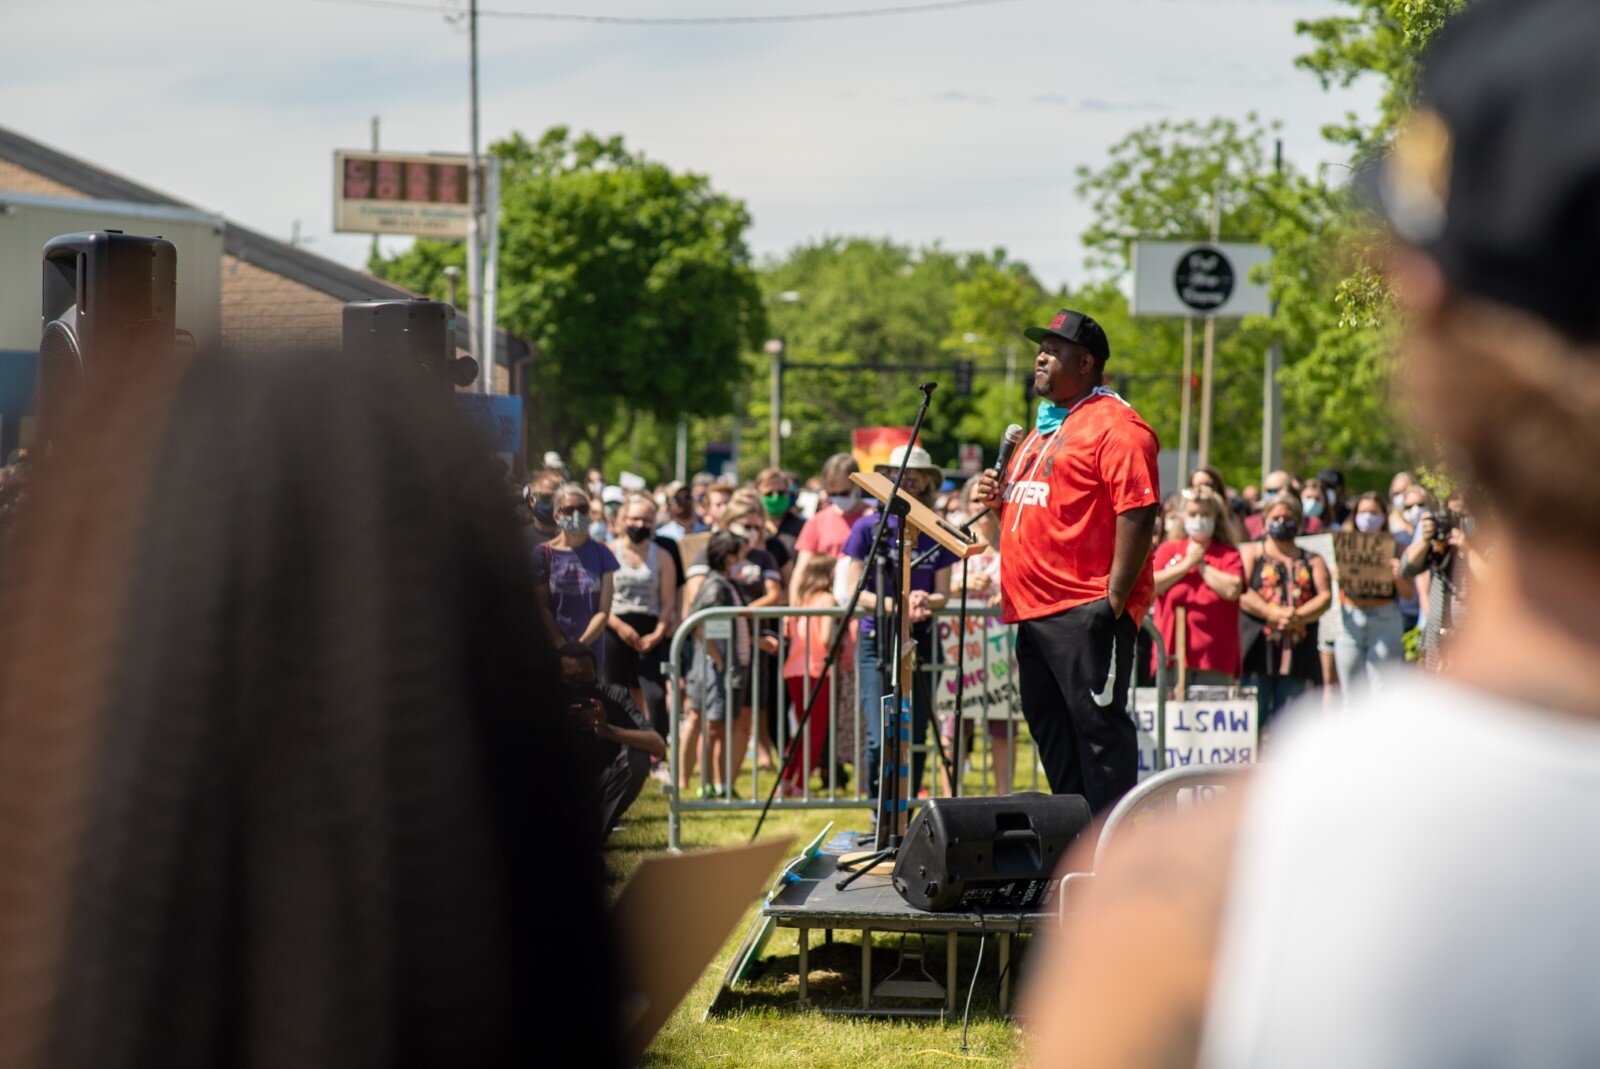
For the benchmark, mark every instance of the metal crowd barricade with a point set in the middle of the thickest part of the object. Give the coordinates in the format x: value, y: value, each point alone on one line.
x: 698, y: 790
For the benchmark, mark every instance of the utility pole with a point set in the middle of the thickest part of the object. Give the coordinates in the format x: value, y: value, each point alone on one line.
x: 680, y: 470
x: 1271, y: 392
x: 374, y: 149
x: 1208, y: 361
x: 1187, y: 403
x: 475, y: 216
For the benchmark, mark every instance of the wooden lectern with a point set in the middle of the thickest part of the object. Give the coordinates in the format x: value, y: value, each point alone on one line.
x: 915, y: 518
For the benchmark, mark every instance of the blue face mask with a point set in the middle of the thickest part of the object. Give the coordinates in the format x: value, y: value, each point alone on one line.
x: 1051, y: 415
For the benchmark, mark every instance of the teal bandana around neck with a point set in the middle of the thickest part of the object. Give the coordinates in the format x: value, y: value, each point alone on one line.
x: 1051, y: 415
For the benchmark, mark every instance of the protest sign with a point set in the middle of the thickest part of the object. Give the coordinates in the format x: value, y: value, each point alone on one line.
x: 1200, y: 731
x: 991, y: 667
x: 1364, y: 563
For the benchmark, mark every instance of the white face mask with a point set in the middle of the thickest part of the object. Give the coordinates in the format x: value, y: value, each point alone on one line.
x: 1199, y: 526
x: 1398, y: 500
x: 1369, y: 522
x: 1414, y: 515
x: 847, y: 502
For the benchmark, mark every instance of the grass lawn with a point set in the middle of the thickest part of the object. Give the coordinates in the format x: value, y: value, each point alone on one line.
x: 760, y: 1025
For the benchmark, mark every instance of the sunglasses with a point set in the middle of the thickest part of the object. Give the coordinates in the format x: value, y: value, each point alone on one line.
x: 574, y: 510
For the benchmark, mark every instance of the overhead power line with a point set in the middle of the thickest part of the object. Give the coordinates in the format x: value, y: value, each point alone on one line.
x: 703, y: 20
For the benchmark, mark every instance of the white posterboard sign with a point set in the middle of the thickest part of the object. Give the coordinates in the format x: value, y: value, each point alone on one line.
x: 1200, y: 731
x: 991, y: 668
x: 1199, y: 278
x: 1330, y: 625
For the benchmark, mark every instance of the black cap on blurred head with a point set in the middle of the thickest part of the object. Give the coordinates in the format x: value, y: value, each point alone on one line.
x: 1332, y: 478
x: 1077, y: 328
x: 1497, y: 174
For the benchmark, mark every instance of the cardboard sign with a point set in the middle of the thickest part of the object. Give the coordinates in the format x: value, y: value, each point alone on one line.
x: 1200, y: 731
x: 990, y: 667
x: 1364, y: 563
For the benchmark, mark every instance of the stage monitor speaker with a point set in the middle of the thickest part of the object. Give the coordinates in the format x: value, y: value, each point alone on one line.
x: 106, y: 296
x: 415, y: 331
x: 987, y: 854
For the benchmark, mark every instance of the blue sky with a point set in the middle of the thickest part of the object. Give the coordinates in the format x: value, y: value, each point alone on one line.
x: 960, y: 126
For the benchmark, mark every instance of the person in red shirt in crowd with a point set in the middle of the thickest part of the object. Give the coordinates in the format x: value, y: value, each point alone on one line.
x: 1203, y: 575
x: 826, y: 532
x: 1077, y: 513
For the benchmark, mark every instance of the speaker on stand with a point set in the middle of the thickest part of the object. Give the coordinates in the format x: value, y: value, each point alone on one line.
x: 988, y: 854
x: 107, y: 296
x: 417, y: 332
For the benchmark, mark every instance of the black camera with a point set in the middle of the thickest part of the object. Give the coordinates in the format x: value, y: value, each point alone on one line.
x: 1444, y: 521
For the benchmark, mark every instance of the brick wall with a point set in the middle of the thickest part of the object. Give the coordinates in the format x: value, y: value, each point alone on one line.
x: 21, y: 180
x: 261, y: 308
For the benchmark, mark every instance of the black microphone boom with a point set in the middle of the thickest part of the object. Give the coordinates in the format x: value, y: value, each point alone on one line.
x: 1008, y: 444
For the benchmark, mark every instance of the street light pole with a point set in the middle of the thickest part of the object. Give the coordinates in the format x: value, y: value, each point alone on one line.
x: 775, y: 403
x: 475, y: 215
x: 776, y: 349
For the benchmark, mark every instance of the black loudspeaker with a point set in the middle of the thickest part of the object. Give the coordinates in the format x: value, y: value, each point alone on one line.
x: 419, y: 332
x: 988, y: 854
x: 106, y: 296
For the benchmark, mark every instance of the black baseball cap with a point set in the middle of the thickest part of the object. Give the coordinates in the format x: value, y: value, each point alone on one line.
x: 1074, y: 327
x: 1496, y: 175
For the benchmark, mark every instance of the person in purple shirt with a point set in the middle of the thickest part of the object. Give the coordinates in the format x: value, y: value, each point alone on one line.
x: 573, y: 576
x: 930, y: 587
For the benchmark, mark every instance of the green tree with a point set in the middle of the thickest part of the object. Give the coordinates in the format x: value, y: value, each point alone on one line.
x: 633, y: 282
x: 866, y: 302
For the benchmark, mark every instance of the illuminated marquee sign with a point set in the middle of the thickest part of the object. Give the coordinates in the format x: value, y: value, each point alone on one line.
x: 393, y: 193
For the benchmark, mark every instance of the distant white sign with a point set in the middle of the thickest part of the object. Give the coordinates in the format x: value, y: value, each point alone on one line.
x: 1196, y: 278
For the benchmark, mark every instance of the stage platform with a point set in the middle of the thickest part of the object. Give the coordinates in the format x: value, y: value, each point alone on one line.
x: 810, y: 901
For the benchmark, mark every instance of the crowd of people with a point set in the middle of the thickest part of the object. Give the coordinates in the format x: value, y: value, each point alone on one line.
x: 1239, y: 599
x: 1238, y: 602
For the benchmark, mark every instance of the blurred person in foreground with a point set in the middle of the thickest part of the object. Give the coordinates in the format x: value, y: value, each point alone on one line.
x: 1411, y: 884
x: 283, y: 756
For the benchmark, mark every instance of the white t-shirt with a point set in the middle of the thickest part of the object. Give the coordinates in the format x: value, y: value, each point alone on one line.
x: 1416, y: 884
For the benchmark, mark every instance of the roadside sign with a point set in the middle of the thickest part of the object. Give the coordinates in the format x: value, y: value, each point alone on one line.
x: 397, y: 193
x: 971, y: 455
x: 1196, y: 278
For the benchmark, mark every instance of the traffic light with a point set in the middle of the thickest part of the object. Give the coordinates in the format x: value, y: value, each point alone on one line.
x: 964, y: 370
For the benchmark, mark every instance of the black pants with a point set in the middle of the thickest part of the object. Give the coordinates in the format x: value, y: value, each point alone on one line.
x: 620, y: 783
x: 1075, y: 699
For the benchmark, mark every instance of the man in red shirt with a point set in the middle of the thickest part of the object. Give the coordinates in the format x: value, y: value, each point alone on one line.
x: 1076, y: 514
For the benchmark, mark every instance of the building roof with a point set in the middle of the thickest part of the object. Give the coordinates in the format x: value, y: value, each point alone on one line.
x: 252, y: 246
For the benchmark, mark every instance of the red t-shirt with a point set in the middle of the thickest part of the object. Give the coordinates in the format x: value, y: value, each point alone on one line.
x: 826, y: 532
x: 1058, y: 525
x: 1213, y: 623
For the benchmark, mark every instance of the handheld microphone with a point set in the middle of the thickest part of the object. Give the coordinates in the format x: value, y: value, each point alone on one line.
x: 1008, y: 444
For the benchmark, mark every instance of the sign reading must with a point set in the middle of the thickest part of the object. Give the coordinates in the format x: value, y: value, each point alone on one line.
x: 395, y: 193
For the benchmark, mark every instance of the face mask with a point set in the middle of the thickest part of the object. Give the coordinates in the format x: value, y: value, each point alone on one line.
x: 1199, y: 526
x: 1312, y: 506
x: 848, y: 502
x: 544, y: 509
x: 636, y: 533
x: 1283, y: 528
x: 1398, y: 501
x: 1369, y: 522
x: 775, y: 504
x: 571, y: 523
x: 749, y: 573
x: 1414, y: 515
x: 597, y: 530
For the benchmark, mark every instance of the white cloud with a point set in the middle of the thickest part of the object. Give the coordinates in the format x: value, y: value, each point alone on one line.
x: 922, y: 128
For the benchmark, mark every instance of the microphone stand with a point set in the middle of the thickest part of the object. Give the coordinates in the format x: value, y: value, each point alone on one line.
x: 882, y: 842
